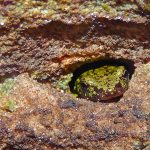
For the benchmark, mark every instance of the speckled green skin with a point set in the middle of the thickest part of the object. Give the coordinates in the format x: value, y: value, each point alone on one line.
x: 104, y: 83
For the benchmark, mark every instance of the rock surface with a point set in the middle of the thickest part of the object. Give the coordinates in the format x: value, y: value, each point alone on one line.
x: 52, y: 36
x: 45, y: 118
x: 49, y: 38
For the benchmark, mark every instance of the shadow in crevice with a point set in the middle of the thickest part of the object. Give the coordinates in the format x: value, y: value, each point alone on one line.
x: 6, y: 72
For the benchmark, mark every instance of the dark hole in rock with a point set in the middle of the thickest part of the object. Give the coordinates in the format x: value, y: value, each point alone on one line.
x: 104, y: 80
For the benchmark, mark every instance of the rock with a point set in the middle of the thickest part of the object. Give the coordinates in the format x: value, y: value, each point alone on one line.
x: 53, y: 39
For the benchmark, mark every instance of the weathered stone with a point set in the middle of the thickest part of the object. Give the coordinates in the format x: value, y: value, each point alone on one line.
x: 53, y: 38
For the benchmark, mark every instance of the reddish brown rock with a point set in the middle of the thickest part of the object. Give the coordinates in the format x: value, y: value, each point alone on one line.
x: 48, y: 119
x: 54, y: 38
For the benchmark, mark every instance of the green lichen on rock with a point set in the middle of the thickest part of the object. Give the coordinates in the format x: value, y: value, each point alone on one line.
x: 45, y: 10
x: 63, y: 82
x: 103, y: 83
x: 6, y: 86
x: 106, y: 7
x: 10, y: 105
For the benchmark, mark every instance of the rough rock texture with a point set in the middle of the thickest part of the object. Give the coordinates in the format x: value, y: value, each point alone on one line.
x: 45, y: 118
x: 54, y: 37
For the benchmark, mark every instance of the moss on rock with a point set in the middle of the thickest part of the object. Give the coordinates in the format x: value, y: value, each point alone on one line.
x: 63, y: 82
x: 10, y: 105
x: 6, y: 86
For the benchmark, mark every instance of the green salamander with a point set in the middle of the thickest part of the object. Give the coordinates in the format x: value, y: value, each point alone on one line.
x: 104, y: 83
